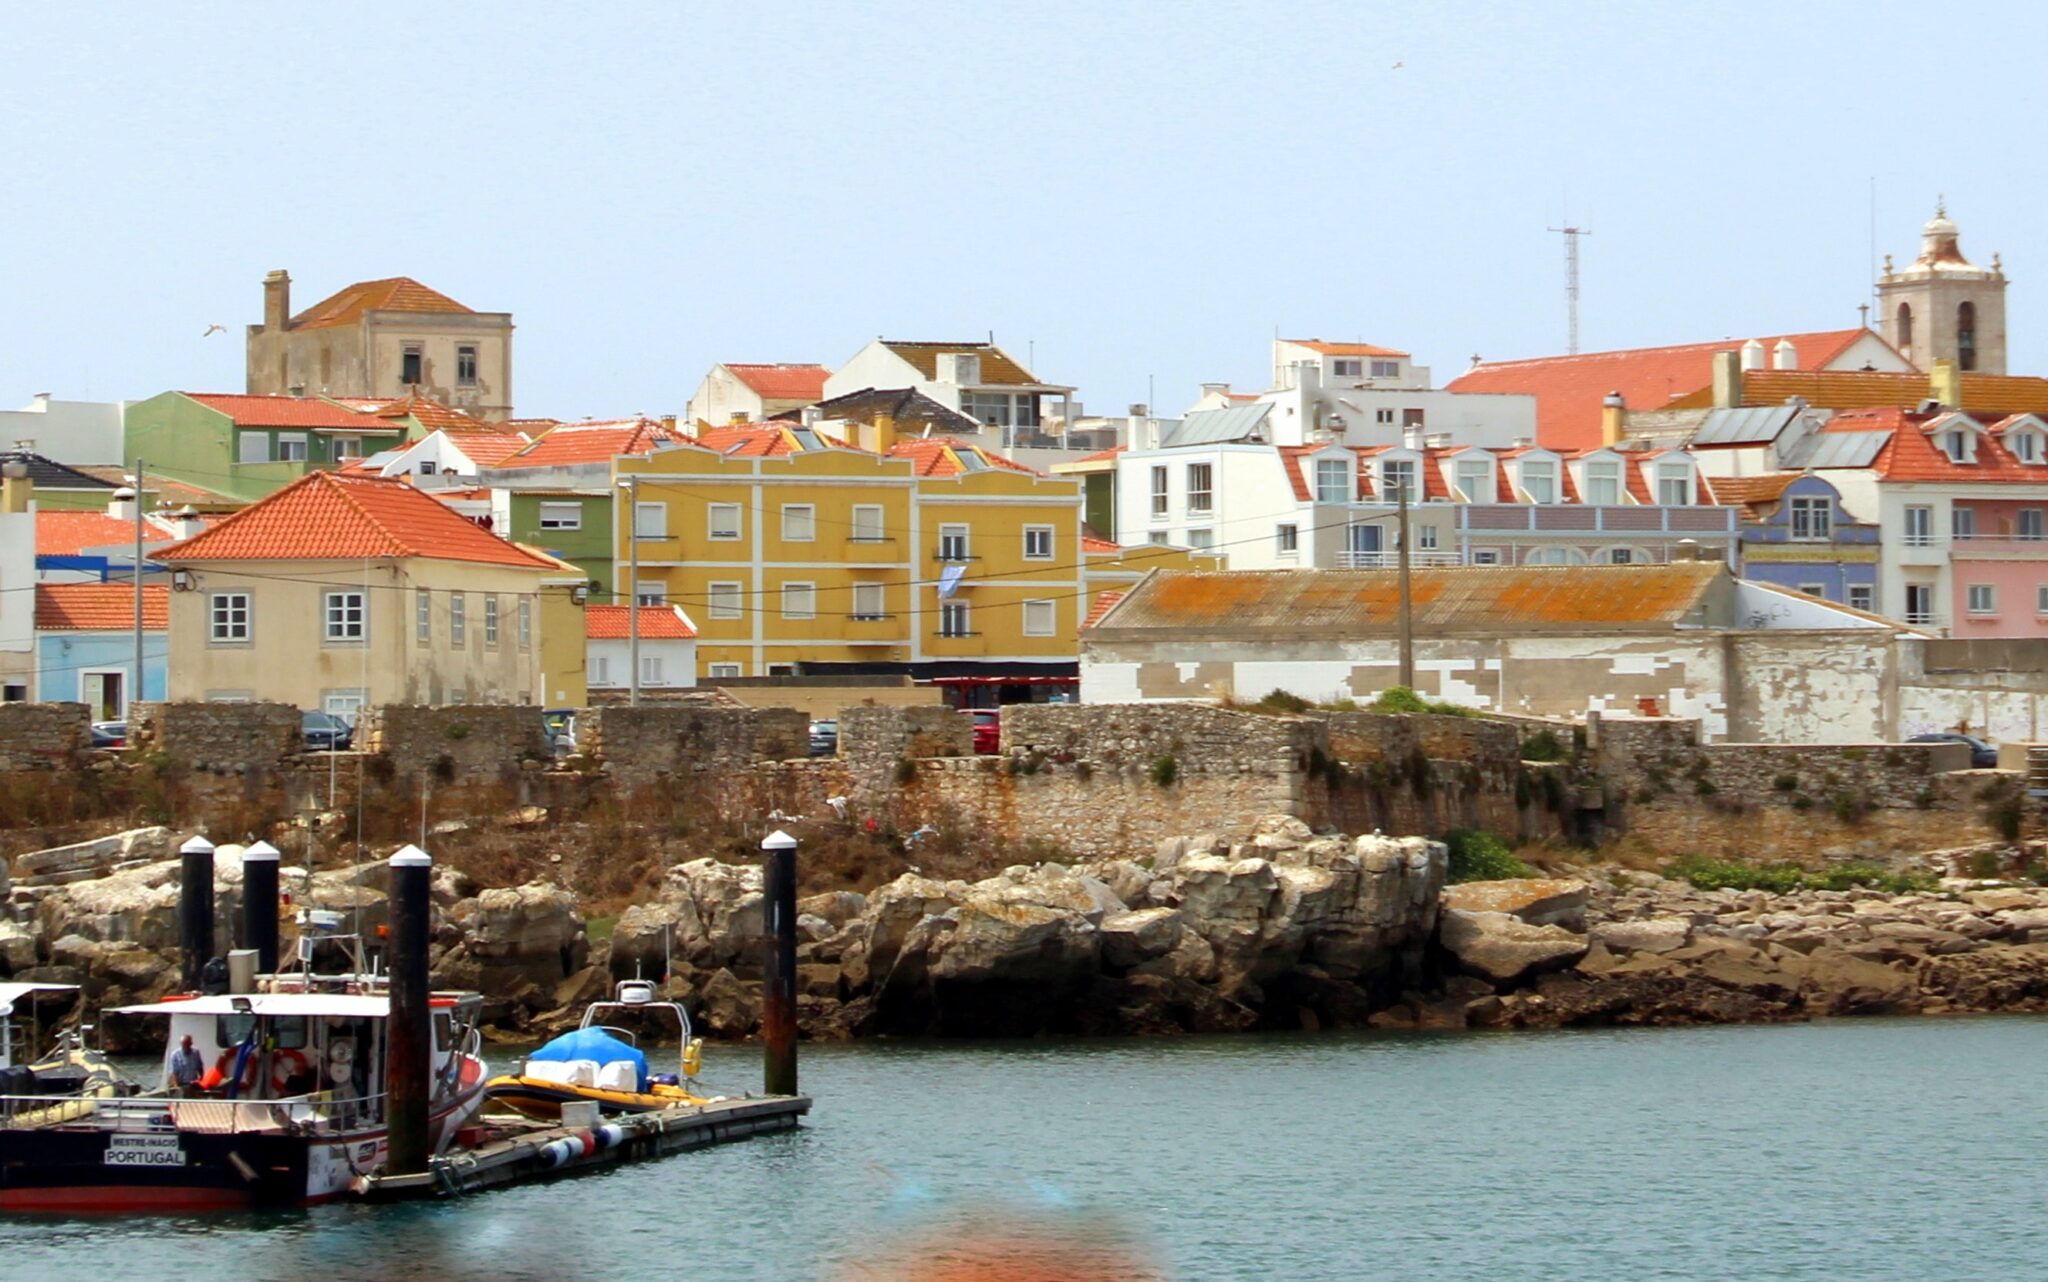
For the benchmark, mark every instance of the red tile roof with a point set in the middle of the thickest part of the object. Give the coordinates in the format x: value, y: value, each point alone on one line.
x: 393, y: 294
x: 657, y: 623
x: 783, y: 382
x: 330, y: 516
x: 1570, y: 389
x: 100, y: 607
x: 595, y: 441
x: 430, y: 414
x: 289, y: 411
x: 1094, y: 545
x: 61, y: 533
x: 1912, y: 454
x: 1749, y: 491
x: 932, y: 457
x: 1104, y: 602
x: 1103, y: 456
x: 748, y: 441
x: 488, y: 449
x: 1343, y: 349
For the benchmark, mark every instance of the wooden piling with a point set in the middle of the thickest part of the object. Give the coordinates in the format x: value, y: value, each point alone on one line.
x: 408, y: 1072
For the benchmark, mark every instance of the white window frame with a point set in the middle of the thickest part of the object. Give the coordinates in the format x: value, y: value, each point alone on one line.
x: 252, y: 447
x: 1048, y: 622
x: 800, y: 599
x: 1425, y: 538
x: 1811, y: 518
x: 1981, y: 598
x: 2030, y: 525
x: 346, y: 447
x: 525, y: 623
x: 1201, y: 479
x: 1922, y: 516
x: 1347, y: 367
x: 1159, y: 539
x: 566, y: 515
x: 650, y: 670
x: 1406, y: 473
x: 1674, y: 485
x: 1386, y: 369
x: 1817, y: 590
x: 869, y: 525
x: 1160, y: 501
x: 1333, y: 481
x: 2041, y: 599
x: 1486, y: 556
x: 1479, y: 471
x: 724, y: 522
x: 650, y: 592
x: 1287, y: 539
x: 725, y: 671
x: 870, y: 602
x: 1962, y: 522
x: 1543, y: 471
x: 1201, y: 539
x: 799, y: 523
x: 337, y: 627
x: 600, y: 673
x: 466, y: 365
x: 458, y: 618
x: 490, y: 620
x: 222, y: 625
x: 423, y: 616
x: 955, y: 543
x: 1960, y: 444
x: 725, y: 599
x: 1867, y: 591
x: 956, y: 619
x: 1383, y: 415
x: 1043, y: 535
x: 650, y: 520
x: 286, y: 442
x: 1603, y: 475
x: 1925, y: 615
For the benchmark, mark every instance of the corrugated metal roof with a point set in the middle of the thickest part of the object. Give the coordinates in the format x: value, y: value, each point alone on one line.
x: 1218, y: 427
x: 1463, y: 601
x: 1755, y: 426
x: 1837, y: 449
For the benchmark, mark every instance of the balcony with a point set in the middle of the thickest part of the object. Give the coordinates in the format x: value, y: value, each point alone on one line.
x: 1392, y: 560
x: 1999, y: 547
x: 1706, y: 520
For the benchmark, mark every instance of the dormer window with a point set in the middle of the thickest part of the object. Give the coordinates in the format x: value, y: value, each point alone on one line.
x: 2025, y: 446
x: 1399, y: 474
x: 1539, y: 481
x: 1475, y: 480
x: 1674, y: 484
x: 1603, y: 483
x: 1959, y: 445
x: 1333, y: 481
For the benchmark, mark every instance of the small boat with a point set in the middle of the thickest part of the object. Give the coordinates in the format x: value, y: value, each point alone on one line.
x: 602, y: 1063
x: 293, y: 1110
x: 66, y: 1074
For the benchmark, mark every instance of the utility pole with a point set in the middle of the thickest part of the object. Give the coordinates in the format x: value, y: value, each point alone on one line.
x: 1407, y: 623
x: 633, y: 587
x: 135, y: 691
x: 1571, y: 236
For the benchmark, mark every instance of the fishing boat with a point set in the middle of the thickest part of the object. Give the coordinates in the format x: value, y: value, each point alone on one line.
x: 59, y: 1071
x: 290, y: 1111
x: 600, y: 1062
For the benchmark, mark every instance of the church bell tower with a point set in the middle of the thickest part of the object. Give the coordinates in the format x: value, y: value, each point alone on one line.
x: 1944, y: 307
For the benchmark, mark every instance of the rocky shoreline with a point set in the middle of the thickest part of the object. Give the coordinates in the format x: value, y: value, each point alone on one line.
x: 1277, y: 928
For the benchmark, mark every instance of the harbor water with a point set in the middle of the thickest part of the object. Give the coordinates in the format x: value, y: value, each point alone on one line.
x: 1883, y: 1149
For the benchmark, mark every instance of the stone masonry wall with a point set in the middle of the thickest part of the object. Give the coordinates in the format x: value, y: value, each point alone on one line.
x: 1197, y: 738
x: 645, y: 742
x: 43, y: 736
x: 217, y: 736
x: 889, y: 733
x: 459, y: 743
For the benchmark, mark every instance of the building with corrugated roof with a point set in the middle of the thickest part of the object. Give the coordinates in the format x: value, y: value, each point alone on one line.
x: 384, y: 338
x: 1751, y: 661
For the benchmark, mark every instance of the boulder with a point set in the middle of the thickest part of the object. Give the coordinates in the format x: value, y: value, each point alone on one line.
x: 837, y: 907
x: 728, y: 1008
x: 17, y: 947
x: 1539, y: 901
x: 1502, y: 948
x: 1132, y: 938
x: 1644, y: 934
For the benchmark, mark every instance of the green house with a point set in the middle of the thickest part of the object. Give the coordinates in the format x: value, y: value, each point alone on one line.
x: 249, y: 447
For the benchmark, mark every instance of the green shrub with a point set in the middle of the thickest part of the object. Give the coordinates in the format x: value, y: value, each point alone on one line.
x: 2005, y: 816
x: 1398, y: 699
x: 1984, y: 865
x: 1165, y: 770
x: 1705, y: 873
x: 1542, y: 746
x: 1481, y: 856
x: 1280, y: 701
x: 906, y: 770
x: 1850, y: 807
x: 1786, y: 783
x: 459, y: 730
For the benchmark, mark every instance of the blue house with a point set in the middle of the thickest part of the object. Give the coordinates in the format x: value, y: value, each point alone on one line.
x: 85, y: 645
x: 1796, y: 534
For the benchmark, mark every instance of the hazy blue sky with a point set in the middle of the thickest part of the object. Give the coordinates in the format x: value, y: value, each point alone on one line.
x: 1137, y: 189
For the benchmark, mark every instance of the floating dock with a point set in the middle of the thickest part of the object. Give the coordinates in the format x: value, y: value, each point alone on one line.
x: 512, y: 1150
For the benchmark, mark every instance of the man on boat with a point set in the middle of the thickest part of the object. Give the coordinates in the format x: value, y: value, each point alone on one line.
x: 186, y: 1065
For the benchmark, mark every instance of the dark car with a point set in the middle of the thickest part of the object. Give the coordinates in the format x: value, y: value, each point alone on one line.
x: 824, y: 738
x: 110, y: 734
x: 325, y: 732
x: 988, y: 730
x: 1982, y: 755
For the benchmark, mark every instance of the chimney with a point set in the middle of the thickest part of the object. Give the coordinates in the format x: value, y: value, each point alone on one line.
x: 1785, y: 355
x: 16, y: 489
x: 1141, y: 430
x: 182, y: 523
x: 1945, y: 384
x: 1308, y: 376
x: 277, y: 300
x: 296, y: 389
x: 1727, y: 380
x: 1753, y: 354
x: 122, y: 506
x: 42, y: 405
x: 1613, y: 419
x: 882, y: 432
x: 1215, y: 389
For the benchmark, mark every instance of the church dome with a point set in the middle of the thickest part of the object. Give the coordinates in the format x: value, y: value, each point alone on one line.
x: 1938, y: 247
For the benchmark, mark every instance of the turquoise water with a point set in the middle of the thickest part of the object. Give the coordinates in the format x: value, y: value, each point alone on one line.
x: 1896, y: 1149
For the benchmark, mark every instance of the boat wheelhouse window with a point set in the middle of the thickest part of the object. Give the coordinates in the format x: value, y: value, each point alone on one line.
x: 288, y: 1031
x: 444, y: 1030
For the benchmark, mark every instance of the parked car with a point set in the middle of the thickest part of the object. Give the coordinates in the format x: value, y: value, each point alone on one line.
x: 824, y: 738
x: 560, y: 725
x: 325, y: 732
x: 1982, y: 755
x: 110, y: 734
x: 988, y: 730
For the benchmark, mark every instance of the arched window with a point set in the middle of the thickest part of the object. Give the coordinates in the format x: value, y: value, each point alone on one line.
x: 1966, y: 335
x: 1902, y: 328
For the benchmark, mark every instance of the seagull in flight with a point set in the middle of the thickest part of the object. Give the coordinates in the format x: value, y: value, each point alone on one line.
x: 211, y: 330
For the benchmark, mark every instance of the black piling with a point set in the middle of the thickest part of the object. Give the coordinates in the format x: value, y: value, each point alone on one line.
x: 195, y: 910
x: 408, y: 1068
x: 778, y: 967
x: 259, y: 904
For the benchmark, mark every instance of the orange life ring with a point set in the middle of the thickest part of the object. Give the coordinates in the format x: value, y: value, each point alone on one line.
x: 285, y: 1065
x: 217, y: 1076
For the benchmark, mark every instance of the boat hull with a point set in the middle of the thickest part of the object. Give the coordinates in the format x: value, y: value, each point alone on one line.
x: 543, y: 1100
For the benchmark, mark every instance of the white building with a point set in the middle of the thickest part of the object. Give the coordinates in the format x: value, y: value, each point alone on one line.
x: 66, y: 431
x: 445, y: 457
x: 668, y: 648
x: 17, y: 582
x: 980, y: 380
x: 734, y: 392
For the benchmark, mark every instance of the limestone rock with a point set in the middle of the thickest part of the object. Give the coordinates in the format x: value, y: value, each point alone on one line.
x: 1131, y: 938
x: 1539, y: 901
x: 728, y: 1008
x: 1502, y: 948
x: 837, y: 907
x: 1645, y: 935
x: 17, y: 947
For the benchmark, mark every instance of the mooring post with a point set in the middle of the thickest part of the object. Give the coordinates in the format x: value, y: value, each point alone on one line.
x: 407, y: 1067
x: 778, y: 968
x: 259, y: 904
x: 195, y: 910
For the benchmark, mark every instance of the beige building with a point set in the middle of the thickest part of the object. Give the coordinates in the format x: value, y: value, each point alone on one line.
x: 340, y: 591
x: 383, y: 338
x: 1943, y: 307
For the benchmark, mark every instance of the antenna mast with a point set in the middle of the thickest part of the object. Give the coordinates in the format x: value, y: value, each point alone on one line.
x: 1571, y: 236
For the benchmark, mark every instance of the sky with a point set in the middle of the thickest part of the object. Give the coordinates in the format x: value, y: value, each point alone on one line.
x: 1133, y: 197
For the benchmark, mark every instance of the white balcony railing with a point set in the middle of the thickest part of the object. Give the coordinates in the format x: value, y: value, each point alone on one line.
x: 1392, y: 560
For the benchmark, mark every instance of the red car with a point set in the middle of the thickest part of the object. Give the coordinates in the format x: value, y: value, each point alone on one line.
x: 988, y: 730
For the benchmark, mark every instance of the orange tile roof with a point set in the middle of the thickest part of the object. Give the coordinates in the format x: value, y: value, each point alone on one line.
x: 488, y: 449
x: 393, y: 294
x: 1748, y: 491
x: 932, y: 457
x: 288, y: 411
x: 1104, y: 602
x: 330, y: 516
x: 100, y: 607
x: 1999, y: 394
x: 1343, y: 349
x: 657, y: 623
x: 1095, y: 545
x: 1103, y: 456
x: 529, y: 426
x: 430, y: 414
x: 748, y: 441
x: 595, y: 441
x: 997, y: 368
x: 1912, y: 454
x: 783, y: 382
x: 1570, y: 389
x: 62, y: 533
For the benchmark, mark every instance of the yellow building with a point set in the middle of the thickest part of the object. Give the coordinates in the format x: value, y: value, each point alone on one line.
x: 930, y: 557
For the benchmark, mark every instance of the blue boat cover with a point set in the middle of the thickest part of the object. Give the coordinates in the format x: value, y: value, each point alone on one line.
x: 595, y: 1044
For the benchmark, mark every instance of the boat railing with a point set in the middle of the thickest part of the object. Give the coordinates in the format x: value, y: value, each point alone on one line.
x: 317, y: 1114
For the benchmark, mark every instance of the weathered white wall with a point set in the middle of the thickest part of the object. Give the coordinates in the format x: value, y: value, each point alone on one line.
x: 67, y: 431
